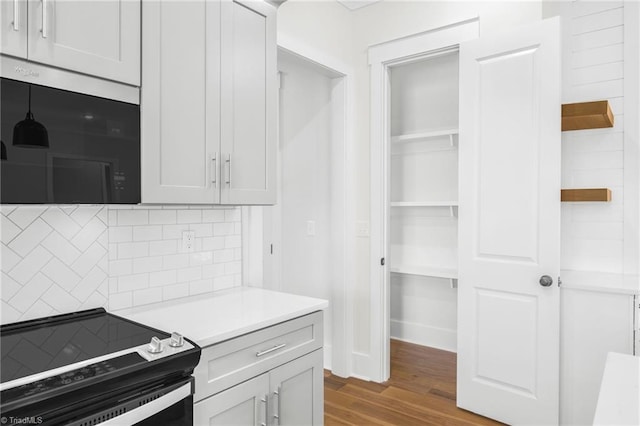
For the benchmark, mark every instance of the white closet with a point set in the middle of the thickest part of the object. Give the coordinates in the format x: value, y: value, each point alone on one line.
x: 423, y: 193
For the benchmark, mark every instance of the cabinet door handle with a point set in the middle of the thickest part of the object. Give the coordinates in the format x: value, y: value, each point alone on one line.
x: 275, y: 348
x: 214, y: 170
x: 45, y: 30
x: 228, y: 161
x: 16, y: 15
x: 276, y: 415
x: 265, y: 401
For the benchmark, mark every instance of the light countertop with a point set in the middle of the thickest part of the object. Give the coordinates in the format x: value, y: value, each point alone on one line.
x: 212, y: 318
x: 619, y: 398
x: 601, y: 282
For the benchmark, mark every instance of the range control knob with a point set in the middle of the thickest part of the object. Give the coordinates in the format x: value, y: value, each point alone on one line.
x: 155, y: 346
x: 177, y: 340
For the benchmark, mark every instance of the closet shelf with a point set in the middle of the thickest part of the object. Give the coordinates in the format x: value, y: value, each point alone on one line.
x: 446, y: 203
x: 586, y: 194
x: 409, y: 137
x: 587, y: 115
x: 426, y: 271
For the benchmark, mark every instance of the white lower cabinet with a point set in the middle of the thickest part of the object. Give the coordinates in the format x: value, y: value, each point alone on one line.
x: 594, y: 323
x: 296, y: 391
x: 273, y: 376
x: 243, y: 404
x: 291, y: 394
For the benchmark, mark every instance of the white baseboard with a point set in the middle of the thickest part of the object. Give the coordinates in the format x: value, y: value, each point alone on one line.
x: 326, y: 352
x: 439, y: 338
x: 361, y: 366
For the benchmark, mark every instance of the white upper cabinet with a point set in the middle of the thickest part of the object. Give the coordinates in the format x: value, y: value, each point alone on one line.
x: 249, y: 90
x: 180, y: 102
x: 98, y: 38
x: 208, y: 102
x: 13, y: 30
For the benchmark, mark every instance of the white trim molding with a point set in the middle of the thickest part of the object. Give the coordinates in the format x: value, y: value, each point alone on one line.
x: 343, y: 209
x: 631, y: 262
x: 381, y: 58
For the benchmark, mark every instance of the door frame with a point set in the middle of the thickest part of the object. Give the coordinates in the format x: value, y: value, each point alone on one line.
x: 256, y: 237
x: 381, y: 58
x: 631, y: 182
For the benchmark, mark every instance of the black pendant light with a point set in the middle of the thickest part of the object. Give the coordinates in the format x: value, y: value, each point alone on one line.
x: 29, y: 133
x: 3, y: 151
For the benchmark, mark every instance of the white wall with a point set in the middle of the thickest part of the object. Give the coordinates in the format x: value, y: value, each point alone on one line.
x: 63, y: 258
x: 600, y: 43
x: 597, y: 236
x: 323, y: 27
x: 301, y: 221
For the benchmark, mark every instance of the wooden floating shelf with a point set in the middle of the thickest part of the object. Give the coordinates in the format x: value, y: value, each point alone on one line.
x: 587, y: 115
x: 587, y: 194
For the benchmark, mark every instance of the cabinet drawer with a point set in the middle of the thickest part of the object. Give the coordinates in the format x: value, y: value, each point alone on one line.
x: 227, y: 363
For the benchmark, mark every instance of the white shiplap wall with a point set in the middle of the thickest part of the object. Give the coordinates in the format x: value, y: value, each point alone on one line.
x: 593, y: 69
x: 62, y: 258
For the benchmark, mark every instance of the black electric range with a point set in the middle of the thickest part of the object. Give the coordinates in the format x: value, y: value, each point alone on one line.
x: 93, y: 367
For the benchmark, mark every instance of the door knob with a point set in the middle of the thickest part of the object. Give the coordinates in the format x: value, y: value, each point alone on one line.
x: 546, y: 281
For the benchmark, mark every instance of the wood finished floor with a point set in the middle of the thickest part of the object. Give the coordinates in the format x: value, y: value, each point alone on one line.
x: 421, y: 391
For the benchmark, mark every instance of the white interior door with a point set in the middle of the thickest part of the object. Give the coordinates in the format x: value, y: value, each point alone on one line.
x: 509, y: 225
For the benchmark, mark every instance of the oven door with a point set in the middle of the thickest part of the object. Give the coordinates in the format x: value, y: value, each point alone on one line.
x: 63, y: 147
x: 171, y: 406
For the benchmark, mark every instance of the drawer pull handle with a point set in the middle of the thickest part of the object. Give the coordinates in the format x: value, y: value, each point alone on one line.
x: 275, y: 348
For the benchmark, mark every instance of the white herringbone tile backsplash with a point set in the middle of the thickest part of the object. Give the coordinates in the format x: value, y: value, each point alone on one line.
x: 63, y: 258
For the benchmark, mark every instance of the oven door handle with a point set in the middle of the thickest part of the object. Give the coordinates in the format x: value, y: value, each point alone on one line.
x: 151, y: 408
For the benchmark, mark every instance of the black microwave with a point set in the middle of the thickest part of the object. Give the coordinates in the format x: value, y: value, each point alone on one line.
x: 67, y: 148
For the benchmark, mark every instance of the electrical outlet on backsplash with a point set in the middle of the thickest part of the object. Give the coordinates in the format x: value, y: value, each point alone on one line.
x: 63, y: 258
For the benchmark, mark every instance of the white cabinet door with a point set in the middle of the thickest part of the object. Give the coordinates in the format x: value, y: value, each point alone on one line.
x: 13, y: 27
x: 297, y: 391
x: 586, y: 341
x: 509, y: 234
x: 180, y: 102
x: 243, y: 405
x: 208, y: 102
x: 249, y: 103
x: 99, y: 38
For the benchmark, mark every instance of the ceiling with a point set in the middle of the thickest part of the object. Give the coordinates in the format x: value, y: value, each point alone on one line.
x: 356, y: 4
